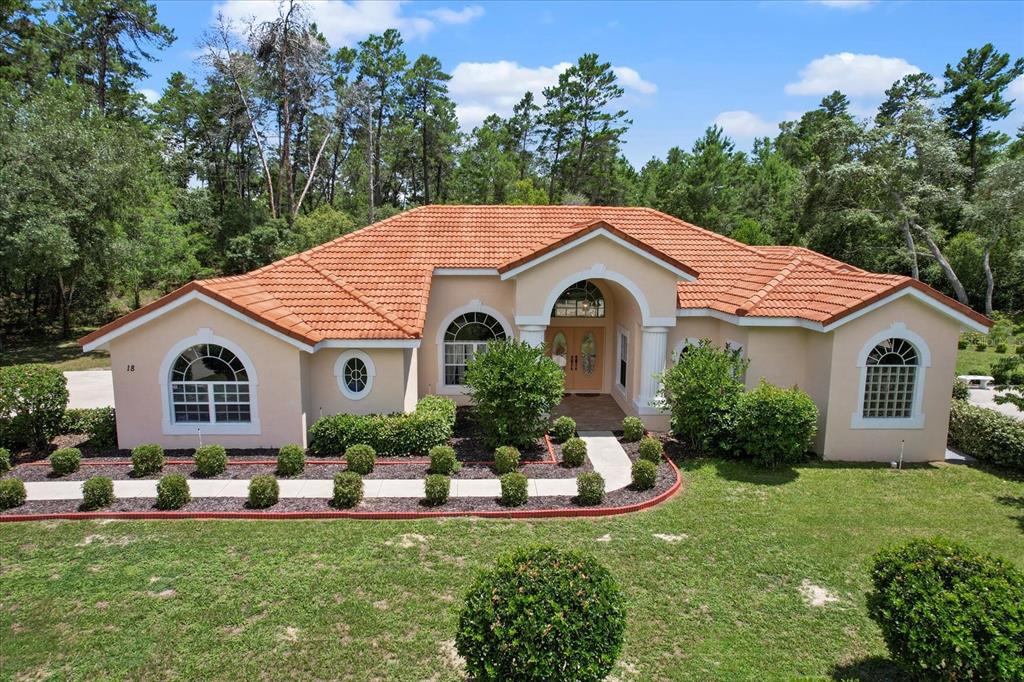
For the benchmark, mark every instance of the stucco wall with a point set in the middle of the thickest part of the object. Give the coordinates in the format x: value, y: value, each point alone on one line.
x: 387, y: 393
x: 138, y: 393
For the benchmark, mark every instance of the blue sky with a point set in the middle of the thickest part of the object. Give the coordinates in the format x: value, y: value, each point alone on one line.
x: 684, y: 66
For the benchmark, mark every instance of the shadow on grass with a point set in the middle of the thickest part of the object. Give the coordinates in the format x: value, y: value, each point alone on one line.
x: 749, y: 473
x: 874, y: 668
x: 1016, y: 503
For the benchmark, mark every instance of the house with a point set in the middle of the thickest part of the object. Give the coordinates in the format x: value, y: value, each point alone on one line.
x: 377, y: 318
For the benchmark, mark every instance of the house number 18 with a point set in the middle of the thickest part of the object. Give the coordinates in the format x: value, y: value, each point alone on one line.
x: 130, y: 368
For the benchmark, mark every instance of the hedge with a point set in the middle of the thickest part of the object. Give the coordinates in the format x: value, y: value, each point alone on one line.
x: 32, y: 403
x: 100, y: 423
x: 411, y: 433
x: 986, y: 434
x: 776, y: 426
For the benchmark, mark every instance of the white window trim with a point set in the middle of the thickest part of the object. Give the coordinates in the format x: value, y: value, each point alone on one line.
x: 916, y: 419
x: 621, y: 331
x: 474, y: 306
x: 171, y: 428
x: 339, y: 373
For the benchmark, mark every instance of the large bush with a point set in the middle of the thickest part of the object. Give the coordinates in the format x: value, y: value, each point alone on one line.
x: 211, y: 460
x: 776, y: 426
x: 542, y: 614
x: 986, y: 434
x: 514, y: 387
x: 949, y: 613
x: 432, y: 423
x: 702, y: 390
x: 32, y: 403
x: 100, y: 423
x: 172, y: 492
x: 97, y: 492
x: 12, y: 493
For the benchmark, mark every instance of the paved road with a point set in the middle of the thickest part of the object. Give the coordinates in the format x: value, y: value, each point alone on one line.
x: 93, y: 388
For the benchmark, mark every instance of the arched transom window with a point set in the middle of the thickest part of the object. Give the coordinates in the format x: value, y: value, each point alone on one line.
x: 466, y: 336
x: 889, y: 380
x: 582, y: 299
x: 209, y: 384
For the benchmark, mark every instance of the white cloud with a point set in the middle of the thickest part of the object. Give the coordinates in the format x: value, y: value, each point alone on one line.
x: 853, y: 74
x: 483, y: 88
x: 150, y: 94
x: 844, y: 4
x: 1016, y: 88
x: 744, y: 125
x: 345, y: 23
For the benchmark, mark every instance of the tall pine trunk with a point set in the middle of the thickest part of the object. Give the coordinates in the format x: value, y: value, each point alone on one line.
x: 990, y: 282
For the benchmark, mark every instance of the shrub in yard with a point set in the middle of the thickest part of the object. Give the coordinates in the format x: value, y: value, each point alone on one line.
x: 961, y: 391
x: 980, y: 346
x: 574, y: 451
x: 263, y: 491
x: 506, y: 459
x: 563, y: 428
x: 443, y: 460
x: 651, y: 449
x: 542, y: 614
x: 776, y: 426
x: 5, y: 460
x: 291, y: 460
x: 961, y: 345
x: 1000, y: 347
x: 97, y: 492
x: 12, y: 493
x: 172, y: 492
x: 514, y: 386
x: 1020, y: 349
x: 702, y: 390
x: 66, y: 461
x: 437, y: 487
x: 360, y: 459
x: 100, y: 423
x: 513, y: 489
x: 211, y: 460
x: 348, y: 489
x: 1008, y: 371
x: 645, y: 474
x: 590, y: 488
x: 32, y: 403
x: 430, y: 424
x: 147, y: 458
x: 986, y: 434
x: 947, y: 612
x: 632, y: 429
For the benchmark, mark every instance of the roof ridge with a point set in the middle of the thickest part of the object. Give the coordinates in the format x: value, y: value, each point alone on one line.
x: 755, y: 299
x: 704, y: 230
x: 370, y: 303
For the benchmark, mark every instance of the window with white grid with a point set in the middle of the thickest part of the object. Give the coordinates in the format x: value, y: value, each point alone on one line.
x: 466, y: 336
x: 209, y: 385
x: 890, y: 378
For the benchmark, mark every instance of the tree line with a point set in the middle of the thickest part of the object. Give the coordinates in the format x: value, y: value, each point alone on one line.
x: 107, y: 200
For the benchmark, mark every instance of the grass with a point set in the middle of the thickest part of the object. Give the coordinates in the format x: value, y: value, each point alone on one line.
x: 970, y: 361
x: 65, y: 354
x: 379, y: 600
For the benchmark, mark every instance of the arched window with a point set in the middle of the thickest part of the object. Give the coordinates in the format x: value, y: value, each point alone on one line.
x: 582, y: 299
x: 890, y: 378
x: 467, y: 335
x: 209, y: 384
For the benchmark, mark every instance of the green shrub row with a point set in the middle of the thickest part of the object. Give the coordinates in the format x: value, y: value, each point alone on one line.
x: 100, y: 423
x: 430, y: 424
x: 986, y: 434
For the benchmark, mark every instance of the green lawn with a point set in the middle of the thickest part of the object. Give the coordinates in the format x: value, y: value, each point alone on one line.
x: 366, y: 600
x: 970, y: 361
x: 64, y: 354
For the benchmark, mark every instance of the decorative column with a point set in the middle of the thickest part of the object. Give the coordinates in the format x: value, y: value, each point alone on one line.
x: 653, y: 356
x: 532, y: 334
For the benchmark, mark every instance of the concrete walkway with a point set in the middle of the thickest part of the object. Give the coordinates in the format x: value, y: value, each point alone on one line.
x: 986, y: 397
x: 92, y: 388
x: 604, y: 451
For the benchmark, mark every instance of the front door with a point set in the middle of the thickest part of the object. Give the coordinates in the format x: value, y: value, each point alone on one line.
x: 577, y: 350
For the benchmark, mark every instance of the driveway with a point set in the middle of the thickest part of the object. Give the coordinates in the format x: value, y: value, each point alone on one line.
x: 92, y: 388
x: 986, y: 397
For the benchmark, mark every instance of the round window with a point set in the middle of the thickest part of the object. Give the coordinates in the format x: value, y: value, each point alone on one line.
x: 355, y: 375
x: 354, y: 371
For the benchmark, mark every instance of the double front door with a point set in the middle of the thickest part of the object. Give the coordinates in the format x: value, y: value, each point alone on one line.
x: 577, y: 350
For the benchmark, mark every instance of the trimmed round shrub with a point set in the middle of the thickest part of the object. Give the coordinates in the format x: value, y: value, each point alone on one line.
x: 348, y: 489
x: 66, y: 461
x: 1000, y: 347
x: 513, y: 489
x: 574, y: 451
x: 97, y: 492
x: 506, y: 459
x: 360, y: 459
x: 12, y: 493
x: 651, y: 449
x: 291, y: 460
x: 961, y: 391
x: 172, y: 492
x: 211, y: 460
x: 147, y: 458
x: 632, y: 429
x: 263, y: 491
x: 776, y: 426
x: 947, y: 612
x: 961, y: 345
x: 5, y: 460
x: 590, y: 488
x: 443, y: 460
x: 437, y: 487
x: 542, y: 614
x: 563, y: 428
x: 32, y: 403
x: 645, y: 474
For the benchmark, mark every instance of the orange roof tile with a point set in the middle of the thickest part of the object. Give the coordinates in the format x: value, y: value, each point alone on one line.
x: 374, y: 283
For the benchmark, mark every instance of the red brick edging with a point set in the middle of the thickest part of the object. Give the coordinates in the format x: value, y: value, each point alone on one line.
x: 380, y: 516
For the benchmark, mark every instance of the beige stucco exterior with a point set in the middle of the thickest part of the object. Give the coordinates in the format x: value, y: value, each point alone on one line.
x: 293, y: 386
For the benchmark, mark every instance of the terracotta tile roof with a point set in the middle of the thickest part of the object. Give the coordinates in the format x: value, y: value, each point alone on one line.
x: 374, y: 283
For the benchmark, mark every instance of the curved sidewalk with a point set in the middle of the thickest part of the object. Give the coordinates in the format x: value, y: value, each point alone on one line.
x: 604, y: 451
